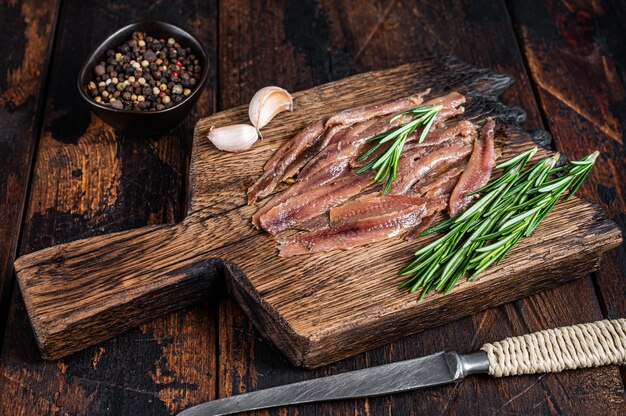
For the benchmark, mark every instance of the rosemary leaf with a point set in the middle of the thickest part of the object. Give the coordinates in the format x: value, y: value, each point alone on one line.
x: 386, y: 164
x: 511, y: 207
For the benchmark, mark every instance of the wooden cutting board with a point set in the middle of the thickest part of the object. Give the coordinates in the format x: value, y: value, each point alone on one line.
x: 316, y: 308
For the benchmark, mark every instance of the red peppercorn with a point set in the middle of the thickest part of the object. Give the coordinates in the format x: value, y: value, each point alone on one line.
x: 162, y: 93
x: 178, y: 64
x: 175, y: 73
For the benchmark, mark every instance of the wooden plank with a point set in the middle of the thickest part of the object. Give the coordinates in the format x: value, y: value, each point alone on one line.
x: 323, y: 42
x: 27, y: 29
x: 92, y: 180
x: 575, y: 56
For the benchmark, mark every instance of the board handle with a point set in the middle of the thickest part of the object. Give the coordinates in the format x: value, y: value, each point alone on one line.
x: 84, y: 292
x: 553, y: 350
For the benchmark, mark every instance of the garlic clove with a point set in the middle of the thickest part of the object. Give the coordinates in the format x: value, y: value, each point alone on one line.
x: 266, y: 103
x: 235, y: 138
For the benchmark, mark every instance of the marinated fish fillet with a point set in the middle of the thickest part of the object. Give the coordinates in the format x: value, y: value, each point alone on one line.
x: 276, y: 167
x: 360, y: 232
x: 353, y: 143
x: 421, y: 227
x: 308, y: 134
x: 342, y: 209
x: 371, y: 205
x: 440, y: 137
x: 477, y: 172
x: 411, y: 168
x: 312, y: 151
x: 357, y: 115
x: 451, y: 104
x: 347, y: 145
x: 442, y: 184
x: 335, y: 167
x: 443, y: 134
x: 315, y: 148
x: 298, y: 188
x: 313, y: 202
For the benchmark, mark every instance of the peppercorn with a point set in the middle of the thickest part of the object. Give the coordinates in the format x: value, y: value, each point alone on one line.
x: 99, y: 70
x: 145, y: 74
x: 149, y: 55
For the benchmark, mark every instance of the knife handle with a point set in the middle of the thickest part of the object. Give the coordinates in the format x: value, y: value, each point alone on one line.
x: 553, y: 350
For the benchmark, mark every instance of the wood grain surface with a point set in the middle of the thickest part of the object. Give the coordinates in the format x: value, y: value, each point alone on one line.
x: 22, y: 76
x: 89, y: 180
x: 316, y: 309
x: 213, y: 350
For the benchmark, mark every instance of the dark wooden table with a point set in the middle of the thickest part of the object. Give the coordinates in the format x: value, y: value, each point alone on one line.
x: 63, y: 177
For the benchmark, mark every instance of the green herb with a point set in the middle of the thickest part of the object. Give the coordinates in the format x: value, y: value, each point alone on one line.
x: 386, y: 164
x: 511, y: 207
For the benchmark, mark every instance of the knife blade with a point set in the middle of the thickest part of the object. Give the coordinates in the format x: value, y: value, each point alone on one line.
x: 433, y: 370
x: 549, y: 351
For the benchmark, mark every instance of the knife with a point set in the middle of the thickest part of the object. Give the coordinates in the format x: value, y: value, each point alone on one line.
x: 567, y: 348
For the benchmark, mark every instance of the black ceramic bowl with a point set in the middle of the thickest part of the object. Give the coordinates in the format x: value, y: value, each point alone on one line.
x: 146, y: 122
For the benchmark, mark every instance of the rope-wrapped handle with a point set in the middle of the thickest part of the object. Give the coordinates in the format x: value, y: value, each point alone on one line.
x: 553, y: 350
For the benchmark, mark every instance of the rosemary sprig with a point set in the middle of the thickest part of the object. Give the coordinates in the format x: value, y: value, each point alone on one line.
x: 386, y: 164
x: 510, y: 208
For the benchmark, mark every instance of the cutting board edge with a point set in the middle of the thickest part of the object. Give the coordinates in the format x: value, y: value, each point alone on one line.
x: 267, y: 320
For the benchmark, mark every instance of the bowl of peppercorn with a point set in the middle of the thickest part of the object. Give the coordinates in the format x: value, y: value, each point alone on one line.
x: 145, y: 77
